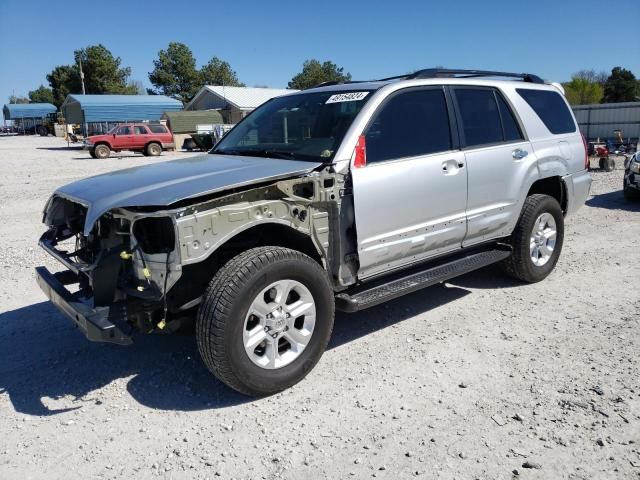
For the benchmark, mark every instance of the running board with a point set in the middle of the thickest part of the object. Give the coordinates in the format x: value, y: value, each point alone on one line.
x: 375, y: 293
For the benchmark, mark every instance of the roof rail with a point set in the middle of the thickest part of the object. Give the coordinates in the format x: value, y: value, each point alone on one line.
x: 335, y: 82
x: 458, y: 73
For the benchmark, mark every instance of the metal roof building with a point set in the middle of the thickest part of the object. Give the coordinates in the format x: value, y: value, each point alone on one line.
x: 236, y: 102
x: 85, y: 109
x: 601, y: 120
x: 19, y: 111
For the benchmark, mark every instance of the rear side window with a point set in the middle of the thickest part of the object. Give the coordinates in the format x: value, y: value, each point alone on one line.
x: 140, y: 131
x: 157, y: 129
x: 551, y: 109
x: 480, y: 116
x: 409, y: 124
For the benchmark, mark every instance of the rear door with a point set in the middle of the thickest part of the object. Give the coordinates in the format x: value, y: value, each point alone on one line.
x: 498, y: 159
x: 410, y: 197
x: 140, y: 136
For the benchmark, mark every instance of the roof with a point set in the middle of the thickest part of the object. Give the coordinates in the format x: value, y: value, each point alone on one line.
x: 244, y: 98
x: 15, y: 111
x: 187, y: 122
x: 117, y: 108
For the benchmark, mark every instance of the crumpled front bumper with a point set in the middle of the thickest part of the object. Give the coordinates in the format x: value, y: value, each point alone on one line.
x: 98, y: 324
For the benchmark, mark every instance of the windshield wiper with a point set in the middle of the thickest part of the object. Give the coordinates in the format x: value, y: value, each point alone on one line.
x: 259, y: 153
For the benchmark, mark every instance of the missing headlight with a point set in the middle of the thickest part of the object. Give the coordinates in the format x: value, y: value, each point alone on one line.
x: 155, y: 234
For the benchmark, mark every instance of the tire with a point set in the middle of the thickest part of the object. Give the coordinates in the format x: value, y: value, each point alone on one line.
x: 42, y: 131
x: 92, y: 152
x: 153, y: 149
x: 224, y: 318
x: 601, y: 163
x: 102, y: 151
x: 630, y: 194
x: 609, y: 165
x: 520, y: 264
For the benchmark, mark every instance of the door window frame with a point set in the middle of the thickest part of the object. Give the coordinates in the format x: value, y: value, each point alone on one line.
x: 453, y: 122
x: 496, y: 92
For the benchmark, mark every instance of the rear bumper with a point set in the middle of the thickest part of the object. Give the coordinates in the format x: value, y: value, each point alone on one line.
x: 169, y: 146
x: 97, y: 324
x: 578, y: 186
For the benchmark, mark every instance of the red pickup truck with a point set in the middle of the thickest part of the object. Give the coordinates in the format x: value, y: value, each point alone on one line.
x: 148, y: 139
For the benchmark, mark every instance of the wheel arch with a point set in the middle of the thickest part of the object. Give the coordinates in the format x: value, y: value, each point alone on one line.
x: 554, y: 186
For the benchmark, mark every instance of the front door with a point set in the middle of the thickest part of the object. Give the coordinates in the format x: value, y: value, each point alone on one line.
x: 411, y: 195
x: 123, y: 137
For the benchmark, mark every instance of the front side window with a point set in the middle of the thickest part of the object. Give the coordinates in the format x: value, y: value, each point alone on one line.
x: 305, y: 126
x: 409, y: 124
x: 551, y: 109
x: 124, y: 131
x: 140, y: 130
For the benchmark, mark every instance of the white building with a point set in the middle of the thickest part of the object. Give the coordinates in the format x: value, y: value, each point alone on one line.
x: 233, y: 102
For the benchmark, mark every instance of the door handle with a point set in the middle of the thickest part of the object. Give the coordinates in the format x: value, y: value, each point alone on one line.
x: 519, y: 154
x: 451, y: 167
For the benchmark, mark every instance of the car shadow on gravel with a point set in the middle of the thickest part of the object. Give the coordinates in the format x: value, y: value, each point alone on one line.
x: 613, y: 201
x: 50, y: 368
x: 55, y: 149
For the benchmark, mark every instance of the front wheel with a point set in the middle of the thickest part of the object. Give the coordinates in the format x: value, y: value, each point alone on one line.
x: 536, y: 240
x: 102, y: 151
x: 266, y: 319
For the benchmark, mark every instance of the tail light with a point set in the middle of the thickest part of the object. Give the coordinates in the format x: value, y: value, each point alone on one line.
x: 360, y: 153
x: 586, y: 153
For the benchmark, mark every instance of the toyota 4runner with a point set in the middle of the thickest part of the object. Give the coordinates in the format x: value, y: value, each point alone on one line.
x: 341, y: 196
x: 147, y: 138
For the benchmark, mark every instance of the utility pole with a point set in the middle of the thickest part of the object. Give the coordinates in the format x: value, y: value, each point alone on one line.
x: 81, y: 74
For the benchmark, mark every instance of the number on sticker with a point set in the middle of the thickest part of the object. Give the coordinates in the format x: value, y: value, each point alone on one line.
x: 347, y: 97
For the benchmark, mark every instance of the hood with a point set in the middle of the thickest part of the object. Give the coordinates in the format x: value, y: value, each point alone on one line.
x: 165, y: 183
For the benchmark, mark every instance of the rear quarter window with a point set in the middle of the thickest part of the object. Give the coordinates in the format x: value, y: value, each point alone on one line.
x: 551, y: 109
x: 157, y: 129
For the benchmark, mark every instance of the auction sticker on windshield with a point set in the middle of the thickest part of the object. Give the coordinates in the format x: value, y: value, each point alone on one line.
x: 347, y: 97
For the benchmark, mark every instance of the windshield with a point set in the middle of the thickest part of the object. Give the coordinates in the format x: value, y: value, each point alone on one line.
x: 299, y: 127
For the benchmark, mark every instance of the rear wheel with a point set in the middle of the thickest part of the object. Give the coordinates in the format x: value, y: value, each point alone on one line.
x: 609, y: 164
x: 153, y: 149
x: 266, y: 320
x: 102, y: 151
x: 536, y: 240
x: 42, y: 131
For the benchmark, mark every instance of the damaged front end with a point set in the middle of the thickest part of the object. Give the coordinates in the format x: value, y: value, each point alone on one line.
x: 146, y: 268
x: 117, y: 276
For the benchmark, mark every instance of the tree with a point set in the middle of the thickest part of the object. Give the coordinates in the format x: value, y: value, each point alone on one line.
x: 18, y: 99
x: 41, y: 94
x: 621, y: 86
x: 103, y: 72
x: 219, y: 72
x: 592, y: 76
x: 175, y: 73
x: 314, y: 72
x: 580, y: 91
x: 64, y: 79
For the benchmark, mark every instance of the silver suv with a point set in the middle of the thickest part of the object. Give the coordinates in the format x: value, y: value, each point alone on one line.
x: 341, y: 196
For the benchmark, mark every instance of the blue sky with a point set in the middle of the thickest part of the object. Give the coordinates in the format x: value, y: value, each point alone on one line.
x: 267, y: 42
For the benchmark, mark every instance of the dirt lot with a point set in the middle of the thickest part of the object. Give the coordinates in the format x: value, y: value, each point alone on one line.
x: 473, y: 379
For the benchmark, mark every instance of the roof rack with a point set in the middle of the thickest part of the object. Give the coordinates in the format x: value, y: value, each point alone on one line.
x: 335, y: 82
x: 458, y: 73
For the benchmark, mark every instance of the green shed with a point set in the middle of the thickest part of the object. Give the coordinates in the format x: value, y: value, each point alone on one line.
x: 187, y: 122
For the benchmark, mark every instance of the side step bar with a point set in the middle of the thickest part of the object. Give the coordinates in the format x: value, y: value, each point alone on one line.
x: 375, y: 293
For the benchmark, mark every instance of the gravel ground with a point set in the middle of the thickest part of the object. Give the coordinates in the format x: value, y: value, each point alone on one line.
x: 478, y: 378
